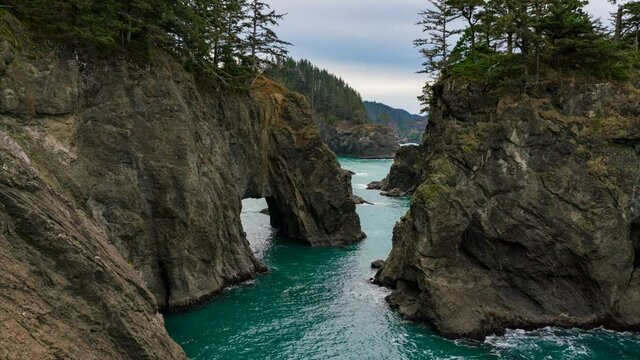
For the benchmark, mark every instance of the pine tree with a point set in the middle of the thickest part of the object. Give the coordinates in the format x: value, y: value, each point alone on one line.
x: 470, y: 11
x: 630, y: 23
x: 263, y: 43
x: 436, y: 25
x: 618, y: 19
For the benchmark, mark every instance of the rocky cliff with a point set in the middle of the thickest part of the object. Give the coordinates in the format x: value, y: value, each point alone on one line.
x: 365, y: 141
x: 120, y: 195
x: 527, y: 212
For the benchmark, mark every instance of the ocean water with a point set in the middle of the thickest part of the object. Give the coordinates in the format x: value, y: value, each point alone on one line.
x: 318, y: 303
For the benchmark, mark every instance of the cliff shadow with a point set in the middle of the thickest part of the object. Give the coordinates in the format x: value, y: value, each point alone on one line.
x: 634, y: 235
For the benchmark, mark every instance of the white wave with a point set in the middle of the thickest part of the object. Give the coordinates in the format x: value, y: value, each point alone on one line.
x: 534, y: 341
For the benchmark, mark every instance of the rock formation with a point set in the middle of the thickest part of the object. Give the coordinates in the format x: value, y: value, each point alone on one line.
x: 405, y: 175
x: 365, y: 141
x: 120, y: 194
x: 528, y: 211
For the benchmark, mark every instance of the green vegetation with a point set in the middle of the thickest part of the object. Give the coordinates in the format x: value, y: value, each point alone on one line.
x: 441, y: 177
x: 408, y: 127
x: 512, y: 43
x: 228, y: 39
x: 330, y: 97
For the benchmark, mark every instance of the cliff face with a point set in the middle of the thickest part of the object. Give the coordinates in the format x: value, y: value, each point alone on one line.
x: 527, y: 212
x: 365, y: 141
x: 120, y: 194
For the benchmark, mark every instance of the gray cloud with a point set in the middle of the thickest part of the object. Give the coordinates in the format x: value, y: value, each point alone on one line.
x: 368, y: 42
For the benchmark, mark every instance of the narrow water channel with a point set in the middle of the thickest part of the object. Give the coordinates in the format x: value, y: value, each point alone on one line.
x: 317, y: 303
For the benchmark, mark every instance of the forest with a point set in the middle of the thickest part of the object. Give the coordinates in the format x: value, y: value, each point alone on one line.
x: 513, y: 43
x: 330, y: 97
x: 228, y: 39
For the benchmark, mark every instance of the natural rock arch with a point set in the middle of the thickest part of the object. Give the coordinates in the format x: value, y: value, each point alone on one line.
x: 208, y: 153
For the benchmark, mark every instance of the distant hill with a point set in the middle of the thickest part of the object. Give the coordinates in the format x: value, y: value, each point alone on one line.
x: 330, y: 97
x: 408, y: 127
x: 338, y: 111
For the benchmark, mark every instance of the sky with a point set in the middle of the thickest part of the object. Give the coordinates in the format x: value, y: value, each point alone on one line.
x: 368, y: 43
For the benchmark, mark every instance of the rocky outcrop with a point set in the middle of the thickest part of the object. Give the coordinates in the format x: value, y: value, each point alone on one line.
x: 364, y: 141
x: 528, y: 211
x: 405, y: 175
x: 120, y: 195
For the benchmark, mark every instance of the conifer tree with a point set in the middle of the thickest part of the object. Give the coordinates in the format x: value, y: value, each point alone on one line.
x: 436, y: 25
x: 263, y: 43
x: 226, y: 38
x: 630, y: 23
x: 469, y: 10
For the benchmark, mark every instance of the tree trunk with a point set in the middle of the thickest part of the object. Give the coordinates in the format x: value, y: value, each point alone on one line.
x: 129, y: 30
x: 254, y: 39
x: 537, y: 64
x: 216, y: 54
x: 473, y: 42
x: 445, y: 59
x: 510, y: 43
x: 636, y: 40
x: 618, y: 30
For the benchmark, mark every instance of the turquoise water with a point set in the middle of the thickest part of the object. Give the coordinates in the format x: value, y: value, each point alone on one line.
x: 317, y: 303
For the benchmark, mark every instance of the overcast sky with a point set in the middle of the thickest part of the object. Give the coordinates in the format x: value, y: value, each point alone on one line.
x: 367, y: 42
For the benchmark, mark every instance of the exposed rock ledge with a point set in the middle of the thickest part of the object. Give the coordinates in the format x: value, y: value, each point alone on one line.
x: 405, y: 175
x: 528, y: 212
x: 120, y: 194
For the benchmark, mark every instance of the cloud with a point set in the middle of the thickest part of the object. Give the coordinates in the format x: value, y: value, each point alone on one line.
x: 369, y: 43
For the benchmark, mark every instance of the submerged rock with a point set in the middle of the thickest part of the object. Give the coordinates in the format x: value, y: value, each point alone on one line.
x: 375, y: 185
x: 395, y: 192
x: 120, y: 195
x: 359, y: 201
x: 527, y: 213
x: 377, y: 264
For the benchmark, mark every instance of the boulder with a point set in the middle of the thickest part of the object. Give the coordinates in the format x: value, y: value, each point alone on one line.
x: 375, y: 185
x: 359, y: 201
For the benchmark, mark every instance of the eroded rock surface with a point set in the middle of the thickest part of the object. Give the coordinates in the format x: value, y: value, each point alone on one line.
x: 120, y: 195
x: 405, y: 175
x: 366, y: 141
x: 527, y: 214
